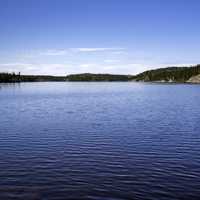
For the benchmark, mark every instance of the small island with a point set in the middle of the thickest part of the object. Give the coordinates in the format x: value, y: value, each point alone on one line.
x: 163, y: 75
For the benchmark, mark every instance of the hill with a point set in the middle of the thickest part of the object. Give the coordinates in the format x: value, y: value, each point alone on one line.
x: 98, y: 77
x: 169, y: 74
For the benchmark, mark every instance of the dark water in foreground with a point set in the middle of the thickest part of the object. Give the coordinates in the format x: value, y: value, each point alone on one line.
x: 99, y: 141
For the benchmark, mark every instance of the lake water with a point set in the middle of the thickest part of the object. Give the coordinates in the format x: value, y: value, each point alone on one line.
x: 104, y: 141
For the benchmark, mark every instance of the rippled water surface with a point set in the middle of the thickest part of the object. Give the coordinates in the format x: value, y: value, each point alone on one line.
x: 99, y: 141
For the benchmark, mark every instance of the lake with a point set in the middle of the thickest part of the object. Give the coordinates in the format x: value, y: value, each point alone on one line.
x: 101, y: 141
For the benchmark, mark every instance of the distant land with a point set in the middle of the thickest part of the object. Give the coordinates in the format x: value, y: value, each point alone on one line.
x: 98, y: 77
x: 165, y: 75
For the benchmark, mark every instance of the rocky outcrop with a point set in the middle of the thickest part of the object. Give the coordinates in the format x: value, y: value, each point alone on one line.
x: 194, y: 79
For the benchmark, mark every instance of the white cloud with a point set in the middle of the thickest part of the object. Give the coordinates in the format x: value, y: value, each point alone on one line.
x: 87, y: 65
x: 80, y: 60
x: 95, y: 49
x: 15, y: 64
x: 69, y: 52
x: 35, y: 68
x: 63, y: 69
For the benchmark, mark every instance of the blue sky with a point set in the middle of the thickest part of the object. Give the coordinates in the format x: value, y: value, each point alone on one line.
x: 99, y: 36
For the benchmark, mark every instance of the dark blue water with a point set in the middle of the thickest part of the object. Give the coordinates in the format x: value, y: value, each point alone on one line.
x: 101, y: 141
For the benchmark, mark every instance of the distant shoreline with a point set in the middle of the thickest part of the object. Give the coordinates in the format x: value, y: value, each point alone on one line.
x: 169, y: 75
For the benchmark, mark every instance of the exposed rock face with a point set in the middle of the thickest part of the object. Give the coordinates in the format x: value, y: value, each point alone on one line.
x: 194, y: 79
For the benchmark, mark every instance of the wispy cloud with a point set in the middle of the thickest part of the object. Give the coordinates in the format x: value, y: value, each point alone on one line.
x: 15, y: 67
x: 95, y: 67
x: 95, y: 49
x: 85, y: 59
x: 35, y: 68
x: 86, y: 65
x: 15, y: 64
x: 70, y: 51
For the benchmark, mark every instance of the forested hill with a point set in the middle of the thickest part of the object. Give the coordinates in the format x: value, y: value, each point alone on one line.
x: 98, y: 77
x: 6, y: 77
x: 170, y: 74
x: 12, y: 77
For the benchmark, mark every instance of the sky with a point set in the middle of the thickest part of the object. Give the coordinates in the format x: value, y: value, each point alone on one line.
x: 60, y: 37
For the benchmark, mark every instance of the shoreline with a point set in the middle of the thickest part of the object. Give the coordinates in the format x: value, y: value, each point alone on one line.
x: 142, y: 82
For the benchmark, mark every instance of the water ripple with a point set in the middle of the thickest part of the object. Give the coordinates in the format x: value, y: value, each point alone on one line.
x: 103, y: 141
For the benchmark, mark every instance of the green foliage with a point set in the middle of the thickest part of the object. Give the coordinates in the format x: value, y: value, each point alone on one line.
x: 170, y: 74
x: 12, y: 77
x: 36, y: 78
x: 9, y: 77
x: 97, y: 77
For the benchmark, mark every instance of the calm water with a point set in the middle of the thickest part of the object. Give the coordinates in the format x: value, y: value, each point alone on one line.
x: 104, y: 141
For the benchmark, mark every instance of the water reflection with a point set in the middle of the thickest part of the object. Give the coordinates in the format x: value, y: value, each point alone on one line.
x: 10, y: 85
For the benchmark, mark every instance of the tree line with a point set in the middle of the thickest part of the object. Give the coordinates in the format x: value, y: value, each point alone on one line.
x: 169, y: 74
x: 10, y: 77
x: 13, y: 77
